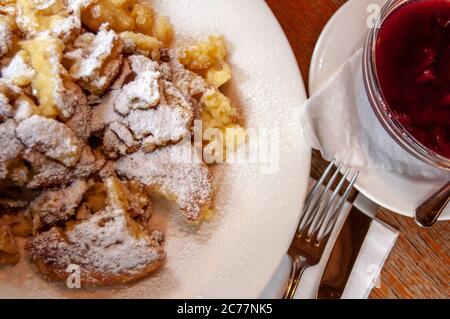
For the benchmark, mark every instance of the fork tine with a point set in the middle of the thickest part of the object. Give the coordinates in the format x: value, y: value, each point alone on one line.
x: 313, y: 193
x: 316, y: 186
x: 340, y: 205
x: 331, y: 200
x: 312, y: 213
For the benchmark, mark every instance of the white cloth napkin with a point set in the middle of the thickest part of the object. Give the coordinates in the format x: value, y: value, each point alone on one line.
x: 339, y: 121
x: 365, y: 274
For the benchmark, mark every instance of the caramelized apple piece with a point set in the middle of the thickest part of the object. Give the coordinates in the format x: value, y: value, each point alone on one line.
x: 143, y: 15
x: 104, y: 11
x: 20, y: 224
x: 163, y: 30
x: 9, y: 252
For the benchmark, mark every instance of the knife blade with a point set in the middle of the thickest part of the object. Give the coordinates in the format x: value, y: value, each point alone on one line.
x: 345, y: 251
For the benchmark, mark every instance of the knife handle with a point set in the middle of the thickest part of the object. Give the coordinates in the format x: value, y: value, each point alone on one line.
x: 344, y: 254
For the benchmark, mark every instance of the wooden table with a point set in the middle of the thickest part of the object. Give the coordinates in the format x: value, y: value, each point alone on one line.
x: 419, y: 264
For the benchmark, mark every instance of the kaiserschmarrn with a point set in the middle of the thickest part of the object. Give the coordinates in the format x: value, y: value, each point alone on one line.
x: 97, y: 113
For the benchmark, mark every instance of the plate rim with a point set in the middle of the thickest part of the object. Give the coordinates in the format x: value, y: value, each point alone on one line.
x: 304, y: 94
x: 304, y: 167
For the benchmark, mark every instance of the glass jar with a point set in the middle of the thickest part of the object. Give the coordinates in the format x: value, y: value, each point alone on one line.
x: 378, y: 102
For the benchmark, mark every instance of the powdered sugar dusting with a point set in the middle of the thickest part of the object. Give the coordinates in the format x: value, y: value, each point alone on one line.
x: 77, y: 5
x: 5, y: 38
x: 23, y: 110
x: 103, y: 244
x: 104, y: 113
x: 57, y: 206
x: 43, y: 4
x: 91, y: 56
x: 10, y: 146
x: 18, y: 68
x: 176, y: 172
x: 6, y: 110
x: 120, y: 250
x: 143, y: 92
x: 123, y: 133
x: 165, y: 123
x: 65, y: 27
x: 50, y: 137
x: 138, y: 105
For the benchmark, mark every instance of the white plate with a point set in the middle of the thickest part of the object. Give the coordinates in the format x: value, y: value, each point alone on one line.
x: 238, y: 250
x: 344, y: 34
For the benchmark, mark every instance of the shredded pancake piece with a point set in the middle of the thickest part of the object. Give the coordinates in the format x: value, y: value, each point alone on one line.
x: 9, y: 203
x: 80, y: 122
x: 188, y: 82
x: 124, y: 123
x: 50, y: 173
x: 18, y: 71
x: 66, y: 28
x: 112, y: 145
x: 8, y: 91
x: 24, y: 108
x: 108, y: 170
x: 9, y: 251
x: 6, y: 110
x: 6, y: 36
x: 96, y: 60
x: 10, y: 149
x: 143, y: 91
x: 51, y: 138
x: 95, y: 116
x: 176, y: 172
x: 160, y: 126
x: 109, y: 247
x: 104, y: 113
x: 124, y: 134
x: 57, y: 206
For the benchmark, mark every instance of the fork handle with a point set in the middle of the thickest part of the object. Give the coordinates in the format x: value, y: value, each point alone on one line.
x: 299, y: 265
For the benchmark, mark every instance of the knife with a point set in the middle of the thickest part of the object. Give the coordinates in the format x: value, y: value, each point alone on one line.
x: 346, y: 249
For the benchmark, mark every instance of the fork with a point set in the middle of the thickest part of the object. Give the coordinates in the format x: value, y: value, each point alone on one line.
x: 318, y: 219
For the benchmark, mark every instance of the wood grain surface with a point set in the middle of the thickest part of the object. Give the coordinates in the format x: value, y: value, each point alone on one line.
x: 419, y: 264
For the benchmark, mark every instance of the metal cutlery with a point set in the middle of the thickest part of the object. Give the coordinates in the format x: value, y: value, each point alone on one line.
x: 344, y: 253
x: 429, y: 211
x: 317, y: 221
